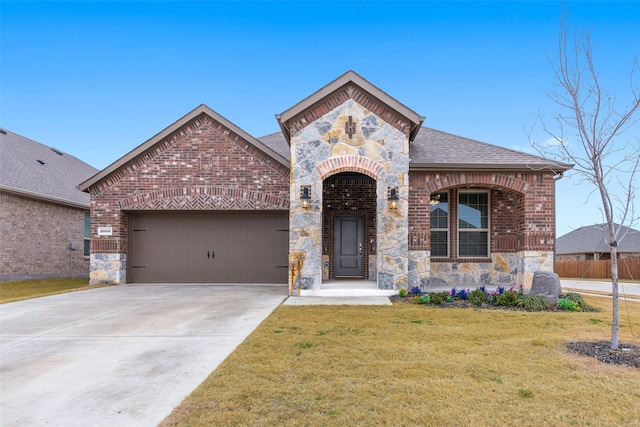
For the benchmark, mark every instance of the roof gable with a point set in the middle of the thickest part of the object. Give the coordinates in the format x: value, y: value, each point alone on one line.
x: 349, y: 85
x: 31, y: 169
x: 175, y: 127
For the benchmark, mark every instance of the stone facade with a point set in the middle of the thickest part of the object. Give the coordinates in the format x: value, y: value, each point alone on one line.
x: 202, y: 166
x: 376, y: 149
x: 40, y: 243
x: 521, y: 232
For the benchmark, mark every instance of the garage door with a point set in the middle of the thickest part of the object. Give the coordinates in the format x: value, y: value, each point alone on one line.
x: 225, y: 247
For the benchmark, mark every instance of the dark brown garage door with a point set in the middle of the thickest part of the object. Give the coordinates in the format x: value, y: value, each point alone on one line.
x: 225, y: 247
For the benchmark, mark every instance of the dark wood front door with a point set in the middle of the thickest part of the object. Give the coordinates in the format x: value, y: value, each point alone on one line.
x: 349, y: 240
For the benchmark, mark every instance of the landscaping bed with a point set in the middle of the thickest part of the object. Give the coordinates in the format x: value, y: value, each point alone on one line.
x: 512, y: 299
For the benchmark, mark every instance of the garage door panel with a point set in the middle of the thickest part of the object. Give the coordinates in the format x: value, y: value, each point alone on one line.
x: 230, y: 247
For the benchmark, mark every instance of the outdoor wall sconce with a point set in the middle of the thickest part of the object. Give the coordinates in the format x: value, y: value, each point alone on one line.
x: 305, y: 199
x: 434, y: 199
x: 393, y: 199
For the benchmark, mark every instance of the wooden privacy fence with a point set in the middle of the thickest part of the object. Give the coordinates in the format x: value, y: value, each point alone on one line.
x: 628, y: 269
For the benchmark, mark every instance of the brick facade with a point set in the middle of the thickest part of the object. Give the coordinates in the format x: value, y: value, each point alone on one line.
x: 522, y: 207
x: 39, y: 235
x: 522, y: 226
x: 202, y: 166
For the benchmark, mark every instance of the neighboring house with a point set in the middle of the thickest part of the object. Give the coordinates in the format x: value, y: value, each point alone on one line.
x: 353, y: 187
x: 43, y: 215
x: 590, y: 243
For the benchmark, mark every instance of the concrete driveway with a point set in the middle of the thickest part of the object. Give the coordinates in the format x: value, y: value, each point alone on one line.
x: 121, y: 355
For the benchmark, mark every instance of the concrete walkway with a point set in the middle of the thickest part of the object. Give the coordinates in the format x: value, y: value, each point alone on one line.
x: 120, y: 356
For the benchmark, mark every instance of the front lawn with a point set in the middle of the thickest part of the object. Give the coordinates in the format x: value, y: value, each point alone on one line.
x: 26, y: 289
x: 411, y: 364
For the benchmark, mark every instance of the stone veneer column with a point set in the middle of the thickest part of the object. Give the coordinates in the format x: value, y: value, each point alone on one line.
x: 532, y: 261
x: 386, y: 151
x: 108, y: 268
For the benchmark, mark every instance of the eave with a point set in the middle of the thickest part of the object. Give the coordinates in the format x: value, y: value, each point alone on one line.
x: 44, y: 197
x: 555, y: 168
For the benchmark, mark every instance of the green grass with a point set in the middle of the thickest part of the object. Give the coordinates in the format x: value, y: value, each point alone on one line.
x: 411, y: 364
x: 26, y: 289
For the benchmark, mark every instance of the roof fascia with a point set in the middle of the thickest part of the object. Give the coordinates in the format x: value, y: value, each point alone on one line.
x: 43, y: 197
x: 466, y: 167
x: 201, y: 109
x: 350, y: 77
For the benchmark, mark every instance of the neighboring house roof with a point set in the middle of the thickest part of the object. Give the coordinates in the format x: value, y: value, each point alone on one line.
x: 436, y: 150
x: 350, y: 77
x: 198, y: 111
x: 31, y: 169
x: 592, y: 239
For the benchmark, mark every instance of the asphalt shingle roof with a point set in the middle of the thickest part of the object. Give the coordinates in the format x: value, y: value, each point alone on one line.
x: 590, y: 239
x: 435, y: 149
x: 30, y: 168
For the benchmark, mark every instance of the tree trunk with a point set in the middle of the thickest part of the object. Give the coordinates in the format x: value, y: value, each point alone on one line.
x: 614, y: 293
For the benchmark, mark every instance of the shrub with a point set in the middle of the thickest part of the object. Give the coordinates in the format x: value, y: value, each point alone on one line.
x: 568, y: 304
x: 438, y: 297
x: 507, y: 299
x: 579, y: 301
x: 424, y: 299
x: 533, y: 303
x: 402, y: 292
x: 477, y: 297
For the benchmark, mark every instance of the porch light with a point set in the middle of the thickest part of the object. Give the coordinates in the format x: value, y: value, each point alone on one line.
x: 434, y: 199
x: 393, y: 199
x: 305, y: 198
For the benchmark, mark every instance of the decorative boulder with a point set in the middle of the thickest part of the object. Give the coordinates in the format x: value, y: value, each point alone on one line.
x: 546, y: 284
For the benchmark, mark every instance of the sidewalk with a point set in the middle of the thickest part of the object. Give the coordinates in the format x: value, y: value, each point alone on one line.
x: 628, y: 289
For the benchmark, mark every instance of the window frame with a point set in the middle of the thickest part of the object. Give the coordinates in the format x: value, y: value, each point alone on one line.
x: 86, y: 243
x: 486, y: 231
x: 447, y: 229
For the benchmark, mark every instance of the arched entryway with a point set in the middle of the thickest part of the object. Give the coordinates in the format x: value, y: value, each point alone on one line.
x: 349, y: 227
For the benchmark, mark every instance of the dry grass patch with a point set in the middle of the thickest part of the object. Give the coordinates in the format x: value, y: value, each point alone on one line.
x: 27, y: 289
x: 418, y: 365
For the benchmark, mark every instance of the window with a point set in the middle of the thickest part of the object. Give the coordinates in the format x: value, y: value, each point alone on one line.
x: 87, y: 234
x: 439, y: 207
x: 473, y: 224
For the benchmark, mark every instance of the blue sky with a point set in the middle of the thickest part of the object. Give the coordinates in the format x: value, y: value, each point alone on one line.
x: 96, y: 79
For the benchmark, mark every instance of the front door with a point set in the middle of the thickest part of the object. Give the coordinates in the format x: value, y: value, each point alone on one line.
x: 349, y: 239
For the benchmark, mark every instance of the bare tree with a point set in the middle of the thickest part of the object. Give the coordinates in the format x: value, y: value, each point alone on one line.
x: 587, y: 132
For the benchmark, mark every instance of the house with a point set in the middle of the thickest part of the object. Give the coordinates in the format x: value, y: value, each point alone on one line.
x: 590, y: 243
x: 353, y: 187
x: 44, y: 217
